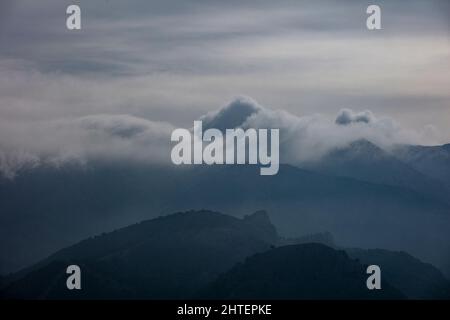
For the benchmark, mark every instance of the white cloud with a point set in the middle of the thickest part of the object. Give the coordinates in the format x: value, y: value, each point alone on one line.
x: 307, y: 138
x: 102, y: 136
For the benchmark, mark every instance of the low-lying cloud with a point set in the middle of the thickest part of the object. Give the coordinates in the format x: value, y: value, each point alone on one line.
x: 128, y: 138
x: 307, y: 138
x: 80, y: 140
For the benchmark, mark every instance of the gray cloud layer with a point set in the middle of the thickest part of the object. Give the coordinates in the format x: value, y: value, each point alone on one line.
x: 347, y: 116
x: 129, y: 138
x: 79, y: 140
x: 81, y: 94
x: 307, y: 138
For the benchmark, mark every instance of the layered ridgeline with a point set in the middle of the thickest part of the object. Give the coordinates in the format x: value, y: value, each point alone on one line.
x: 433, y: 161
x: 403, y: 166
x: 45, y: 209
x: 204, y: 254
x: 369, y: 194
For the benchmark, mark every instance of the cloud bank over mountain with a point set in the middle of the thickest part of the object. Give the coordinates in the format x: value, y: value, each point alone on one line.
x: 125, y: 137
x: 309, y: 137
x: 78, y: 140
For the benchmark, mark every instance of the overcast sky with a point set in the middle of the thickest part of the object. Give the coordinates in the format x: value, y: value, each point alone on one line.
x: 174, y: 61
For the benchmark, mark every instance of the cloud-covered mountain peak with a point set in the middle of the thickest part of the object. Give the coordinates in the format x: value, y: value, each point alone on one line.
x: 125, y: 137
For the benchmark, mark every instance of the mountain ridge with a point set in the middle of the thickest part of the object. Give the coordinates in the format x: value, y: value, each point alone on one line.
x: 184, y: 254
x: 107, y: 197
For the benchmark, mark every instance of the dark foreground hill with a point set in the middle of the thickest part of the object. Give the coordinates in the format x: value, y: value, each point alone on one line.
x: 203, y: 254
x: 304, y: 271
x: 167, y: 257
x: 417, y: 280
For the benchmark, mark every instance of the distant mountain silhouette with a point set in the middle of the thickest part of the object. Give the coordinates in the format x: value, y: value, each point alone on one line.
x: 167, y: 257
x: 305, y: 271
x: 365, y: 161
x: 433, y: 161
x: 357, y: 213
x: 205, y: 254
x: 46, y: 209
